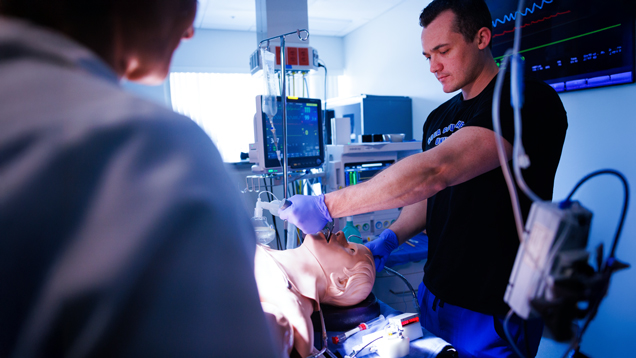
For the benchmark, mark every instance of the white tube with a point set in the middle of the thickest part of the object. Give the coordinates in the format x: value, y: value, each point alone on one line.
x: 503, y: 161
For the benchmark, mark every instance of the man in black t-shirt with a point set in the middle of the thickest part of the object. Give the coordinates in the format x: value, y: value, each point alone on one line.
x: 455, y: 189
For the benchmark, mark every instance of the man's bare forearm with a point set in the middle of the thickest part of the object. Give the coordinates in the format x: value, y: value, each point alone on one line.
x: 408, y: 181
x: 412, y: 221
x: 464, y: 155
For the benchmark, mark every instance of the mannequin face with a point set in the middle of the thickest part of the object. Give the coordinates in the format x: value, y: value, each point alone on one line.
x: 337, y: 253
x: 347, y: 267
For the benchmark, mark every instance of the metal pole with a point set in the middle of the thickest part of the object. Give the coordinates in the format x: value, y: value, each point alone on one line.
x: 284, y: 95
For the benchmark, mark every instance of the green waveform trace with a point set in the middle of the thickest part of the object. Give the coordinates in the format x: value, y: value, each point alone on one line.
x: 568, y: 39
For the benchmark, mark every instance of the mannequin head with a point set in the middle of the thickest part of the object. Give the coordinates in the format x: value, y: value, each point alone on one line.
x: 335, y: 272
x: 348, y: 268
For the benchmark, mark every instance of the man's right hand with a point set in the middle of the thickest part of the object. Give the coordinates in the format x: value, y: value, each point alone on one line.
x: 308, y: 213
x: 382, y: 247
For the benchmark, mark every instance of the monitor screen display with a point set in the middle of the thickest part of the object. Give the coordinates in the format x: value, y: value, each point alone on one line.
x: 305, y: 148
x: 356, y: 173
x: 569, y: 44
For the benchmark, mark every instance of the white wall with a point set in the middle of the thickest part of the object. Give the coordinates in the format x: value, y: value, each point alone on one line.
x: 384, y: 58
x: 229, y: 52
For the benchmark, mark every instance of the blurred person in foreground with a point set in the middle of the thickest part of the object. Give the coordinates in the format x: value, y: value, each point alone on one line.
x: 111, y: 206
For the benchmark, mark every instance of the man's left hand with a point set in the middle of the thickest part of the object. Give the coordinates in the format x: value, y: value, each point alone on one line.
x: 382, y: 247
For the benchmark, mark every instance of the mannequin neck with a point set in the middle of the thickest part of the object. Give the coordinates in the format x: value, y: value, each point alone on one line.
x: 304, y: 271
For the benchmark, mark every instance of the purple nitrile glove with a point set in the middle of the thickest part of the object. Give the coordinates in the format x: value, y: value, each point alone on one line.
x: 382, y: 247
x: 308, y: 213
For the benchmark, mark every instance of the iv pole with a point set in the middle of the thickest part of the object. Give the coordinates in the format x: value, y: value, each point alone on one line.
x: 284, y: 92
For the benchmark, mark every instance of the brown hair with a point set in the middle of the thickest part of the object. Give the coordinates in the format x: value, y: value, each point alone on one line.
x: 470, y: 15
x: 94, y: 23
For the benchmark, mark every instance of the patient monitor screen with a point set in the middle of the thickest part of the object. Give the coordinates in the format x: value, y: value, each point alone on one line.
x: 569, y: 44
x: 304, y: 134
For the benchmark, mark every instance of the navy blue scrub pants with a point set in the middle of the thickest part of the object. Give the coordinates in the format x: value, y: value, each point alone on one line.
x: 475, y: 334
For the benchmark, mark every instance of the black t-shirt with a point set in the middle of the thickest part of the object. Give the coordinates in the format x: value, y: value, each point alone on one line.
x: 472, y: 236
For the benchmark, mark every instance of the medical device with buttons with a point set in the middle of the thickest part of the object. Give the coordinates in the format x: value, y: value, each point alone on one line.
x: 305, y: 148
x: 352, y: 164
x: 298, y: 57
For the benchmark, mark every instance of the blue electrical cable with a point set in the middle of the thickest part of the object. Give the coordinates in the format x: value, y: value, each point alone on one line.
x: 417, y: 304
x: 625, y: 203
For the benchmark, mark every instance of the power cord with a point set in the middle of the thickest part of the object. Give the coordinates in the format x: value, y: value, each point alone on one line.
x: 508, y: 337
x: 625, y: 201
x: 392, y: 271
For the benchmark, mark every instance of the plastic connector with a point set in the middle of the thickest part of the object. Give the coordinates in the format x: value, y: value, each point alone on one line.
x: 565, y: 204
x: 516, y: 101
x: 258, y: 210
x: 524, y: 161
x: 274, y: 207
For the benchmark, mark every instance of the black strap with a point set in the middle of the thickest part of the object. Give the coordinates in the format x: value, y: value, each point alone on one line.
x: 437, y: 302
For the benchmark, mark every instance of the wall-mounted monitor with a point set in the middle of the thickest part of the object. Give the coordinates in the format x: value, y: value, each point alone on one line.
x: 305, y: 145
x: 569, y: 44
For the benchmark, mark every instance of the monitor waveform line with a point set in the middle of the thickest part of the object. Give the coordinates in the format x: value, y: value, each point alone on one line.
x: 568, y: 39
x: 532, y: 23
x: 513, y: 15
